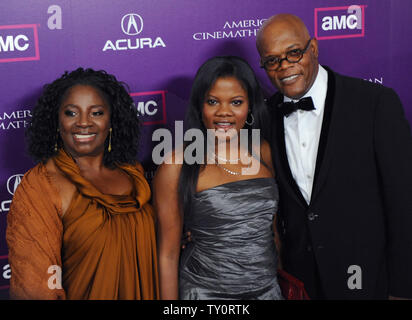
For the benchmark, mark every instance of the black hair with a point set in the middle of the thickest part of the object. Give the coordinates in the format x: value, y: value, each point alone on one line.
x: 42, y: 133
x: 206, y: 76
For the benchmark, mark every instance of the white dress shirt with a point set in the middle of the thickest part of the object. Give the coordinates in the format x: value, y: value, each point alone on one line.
x: 302, y: 134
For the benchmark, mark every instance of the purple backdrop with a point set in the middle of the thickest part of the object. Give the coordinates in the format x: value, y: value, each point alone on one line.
x: 156, y: 48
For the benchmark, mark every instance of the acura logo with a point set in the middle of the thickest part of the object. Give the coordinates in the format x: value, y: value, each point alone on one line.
x: 132, y: 24
x: 13, y: 182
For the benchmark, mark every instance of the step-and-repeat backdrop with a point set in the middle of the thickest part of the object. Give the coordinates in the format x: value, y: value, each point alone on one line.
x: 156, y: 46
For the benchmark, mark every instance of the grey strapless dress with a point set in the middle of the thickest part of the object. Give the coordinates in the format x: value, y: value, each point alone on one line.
x: 232, y: 254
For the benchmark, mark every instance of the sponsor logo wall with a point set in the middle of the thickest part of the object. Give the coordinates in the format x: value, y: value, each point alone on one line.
x: 157, y: 48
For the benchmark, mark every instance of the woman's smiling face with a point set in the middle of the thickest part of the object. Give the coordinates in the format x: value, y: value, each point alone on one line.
x: 225, y: 107
x: 84, y: 121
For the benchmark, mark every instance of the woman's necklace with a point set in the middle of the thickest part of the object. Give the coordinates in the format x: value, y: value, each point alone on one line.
x: 226, y: 160
x: 226, y: 169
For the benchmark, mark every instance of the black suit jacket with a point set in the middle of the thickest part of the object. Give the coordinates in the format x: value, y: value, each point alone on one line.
x: 360, y: 213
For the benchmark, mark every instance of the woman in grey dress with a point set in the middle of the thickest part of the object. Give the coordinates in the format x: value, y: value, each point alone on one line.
x: 227, y: 203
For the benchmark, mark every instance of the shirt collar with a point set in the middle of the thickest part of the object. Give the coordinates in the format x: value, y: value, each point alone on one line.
x: 317, y: 91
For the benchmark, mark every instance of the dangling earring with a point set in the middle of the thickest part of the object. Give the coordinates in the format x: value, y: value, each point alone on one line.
x: 57, y: 139
x: 251, y: 122
x: 110, y: 140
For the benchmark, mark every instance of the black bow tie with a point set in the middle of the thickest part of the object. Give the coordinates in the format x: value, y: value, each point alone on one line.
x: 287, y: 108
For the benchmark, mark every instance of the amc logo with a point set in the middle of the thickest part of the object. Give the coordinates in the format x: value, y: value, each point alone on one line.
x: 340, y: 22
x: 19, y: 43
x: 151, y: 106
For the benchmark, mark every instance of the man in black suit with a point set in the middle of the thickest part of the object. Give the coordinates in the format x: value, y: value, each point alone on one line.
x: 343, y: 161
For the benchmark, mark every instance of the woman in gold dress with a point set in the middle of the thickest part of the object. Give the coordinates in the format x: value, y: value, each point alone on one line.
x: 82, y: 212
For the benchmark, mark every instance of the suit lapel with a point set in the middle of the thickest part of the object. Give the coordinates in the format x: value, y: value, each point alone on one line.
x: 284, y: 173
x: 325, y: 148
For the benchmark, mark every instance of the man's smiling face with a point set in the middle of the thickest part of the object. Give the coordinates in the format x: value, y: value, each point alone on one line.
x: 275, y: 40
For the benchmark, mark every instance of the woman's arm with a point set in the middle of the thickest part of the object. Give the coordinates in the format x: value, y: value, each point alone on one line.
x: 169, y: 228
x: 34, y: 237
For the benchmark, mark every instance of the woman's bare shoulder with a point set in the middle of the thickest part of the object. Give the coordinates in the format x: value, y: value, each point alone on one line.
x: 266, y: 154
x: 169, y: 170
x: 265, y: 149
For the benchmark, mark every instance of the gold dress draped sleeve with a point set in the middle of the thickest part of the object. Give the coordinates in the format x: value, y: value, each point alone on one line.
x: 108, y: 247
x: 34, y: 237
